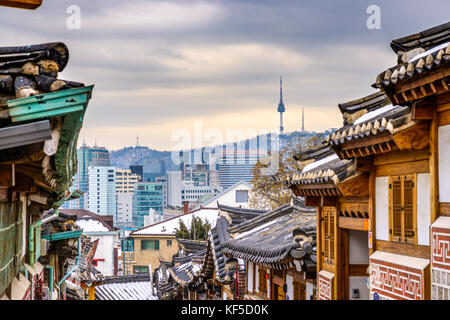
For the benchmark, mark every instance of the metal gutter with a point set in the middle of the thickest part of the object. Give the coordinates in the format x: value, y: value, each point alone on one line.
x: 50, y: 282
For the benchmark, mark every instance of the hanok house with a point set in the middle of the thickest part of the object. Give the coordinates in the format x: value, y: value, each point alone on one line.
x: 225, y: 276
x: 412, y: 231
x: 40, y: 119
x: 185, y: 273
x: 157, y: 242
x: 278, y: 251
x: 396, y: 152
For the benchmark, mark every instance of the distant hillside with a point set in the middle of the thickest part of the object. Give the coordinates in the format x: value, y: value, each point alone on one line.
x: 125, y: 157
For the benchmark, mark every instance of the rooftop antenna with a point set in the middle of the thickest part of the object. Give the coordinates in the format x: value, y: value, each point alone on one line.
x: 281, y: 108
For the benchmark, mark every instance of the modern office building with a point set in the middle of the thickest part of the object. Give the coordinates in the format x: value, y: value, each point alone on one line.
x: 174, y: 187
x: 86, y: 156
x: 192, y: 193
x: 137, y: 170
x: 236, y: 165
x: 163, y: 181
x: 124, y: 217
x: 102, y: 190
x: 147, y: 195
x: 153, y: 169
x: 125, y: 180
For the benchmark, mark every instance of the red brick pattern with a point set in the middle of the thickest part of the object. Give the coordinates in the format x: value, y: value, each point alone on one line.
x: 325, y: 288
x: 392, y: 281
x: 440, y: 248
x: 440, y: 263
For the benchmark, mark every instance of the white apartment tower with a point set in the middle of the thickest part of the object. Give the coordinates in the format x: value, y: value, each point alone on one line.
x: 102, y: 190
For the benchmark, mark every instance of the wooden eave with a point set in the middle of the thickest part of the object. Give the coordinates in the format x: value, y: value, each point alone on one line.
x: 316, y: 190
x: 414, y: 136
x: 433, y: 83
x: 21, y: 4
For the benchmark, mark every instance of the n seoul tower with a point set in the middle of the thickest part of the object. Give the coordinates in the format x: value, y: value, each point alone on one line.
x: 281, y: 107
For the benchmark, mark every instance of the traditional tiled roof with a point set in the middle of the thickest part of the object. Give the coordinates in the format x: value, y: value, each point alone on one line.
x: 105, y: 220
x: 131, y: 287
x: 214, y: 258
x: 427, y: 61
x: 269, y: 239
x: 191, y: 246
x: 385, y: 119
x: 353, y: 109
x: 425, y: 39
x: 185, y: 272
x: 329, y: 170
x: 417, y: 54
x: 313, y: 154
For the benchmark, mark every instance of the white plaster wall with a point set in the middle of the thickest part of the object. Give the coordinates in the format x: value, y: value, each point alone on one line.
x: 358, y: 247
x: 444, y: 163
x: 381, y: 208
x: 423, y: 209
x: 290, y: 287
x: 229, y: 198
x: 360, y: 283
x: 309, y: 290
x: 250, y: 277
x: 105, y: 250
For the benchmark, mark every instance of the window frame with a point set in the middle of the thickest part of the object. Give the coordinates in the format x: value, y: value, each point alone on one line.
x: 155, y: 247
x: 328, y: 228
x: 402, y: 178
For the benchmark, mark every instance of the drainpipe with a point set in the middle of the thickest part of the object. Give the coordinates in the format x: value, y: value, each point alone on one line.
x: 31, y: 232
x: 50, y: 281
x: 77, y: 258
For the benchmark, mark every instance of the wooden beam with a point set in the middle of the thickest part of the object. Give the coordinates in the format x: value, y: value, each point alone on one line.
x: 444, y: 209
x: 357, y: 270
x: 403, y: 248
x: 354, y: 223
x: 355, y: 187
x: 367, y: 142
x: 421, y: 166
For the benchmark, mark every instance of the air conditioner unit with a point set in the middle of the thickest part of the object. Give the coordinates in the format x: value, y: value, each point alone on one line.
x: 46, y: 293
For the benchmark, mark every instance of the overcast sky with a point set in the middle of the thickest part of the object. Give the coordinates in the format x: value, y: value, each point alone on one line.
x: 159, y: 66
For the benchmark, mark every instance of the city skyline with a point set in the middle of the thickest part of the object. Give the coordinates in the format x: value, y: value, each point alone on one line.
x: 218, y: 61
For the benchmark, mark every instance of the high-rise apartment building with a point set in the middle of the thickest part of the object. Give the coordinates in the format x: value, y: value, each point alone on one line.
x: 147, y: 195
x: 102, y: 190
x: 125, y: 180
x: 236, y: 165
x: 124, y: 216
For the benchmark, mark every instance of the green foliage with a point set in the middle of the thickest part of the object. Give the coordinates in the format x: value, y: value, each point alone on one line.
x: 270, y: 191
x: 198, y: 230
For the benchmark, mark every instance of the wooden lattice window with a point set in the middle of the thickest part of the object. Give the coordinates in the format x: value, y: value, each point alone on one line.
x: 262, y: 280
x: 402, y: 208
x: 328, y: 222
x: 299, y: 290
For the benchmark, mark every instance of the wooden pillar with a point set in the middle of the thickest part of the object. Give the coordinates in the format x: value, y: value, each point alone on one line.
x: 337, y: 257
x: 434, y: 170
x: 318, y: 246
x: 91, y: 292
x: 372, y: 222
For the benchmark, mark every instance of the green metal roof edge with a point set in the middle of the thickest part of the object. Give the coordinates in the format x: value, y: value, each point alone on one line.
x: 62, y: 235
x: 66, y: 155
